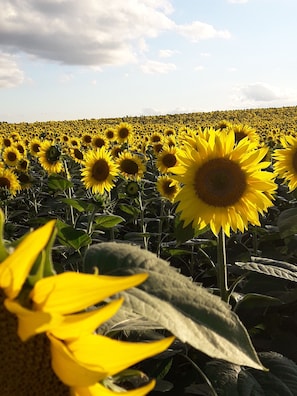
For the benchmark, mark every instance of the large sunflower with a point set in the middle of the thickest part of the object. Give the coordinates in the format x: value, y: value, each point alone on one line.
x: 131, y: 166
x: 48, y: 341
x: 100, y: 171
x: 285, y: 164
x: 224, y: 184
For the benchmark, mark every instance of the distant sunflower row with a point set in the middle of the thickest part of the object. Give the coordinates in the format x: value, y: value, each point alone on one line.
x: 102, y: 157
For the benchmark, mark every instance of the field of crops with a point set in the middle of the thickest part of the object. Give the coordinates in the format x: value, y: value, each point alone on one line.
x: 204, y: 203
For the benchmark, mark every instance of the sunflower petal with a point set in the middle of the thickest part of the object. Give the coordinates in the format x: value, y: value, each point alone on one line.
x: 16, y: 267
x: 52, y: 293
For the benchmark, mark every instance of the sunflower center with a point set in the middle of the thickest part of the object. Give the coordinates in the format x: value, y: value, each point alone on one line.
x: 99, y: 142
x: 168, y: 189
x: 123, y: 133
x: 220, y: 182
x: 100, y: 170
x: 35, y: 147
x: 294, y: 161
x: 129, y: 166
x: 4, y: 182
x: 169, y: 160
x: 78, y: 154
x: 11, y: 156
x: 239, y: 136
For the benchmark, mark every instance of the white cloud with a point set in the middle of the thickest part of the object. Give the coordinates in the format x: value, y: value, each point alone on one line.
x: 10, y: 74
x: 93, y: 32
x: 166, y: 53
x: 155, y: 67
x: 199, y: 68
x: 197, y: 31
x: 261, y: 94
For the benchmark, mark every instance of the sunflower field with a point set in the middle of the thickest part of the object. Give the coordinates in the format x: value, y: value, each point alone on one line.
x: 150, y: 255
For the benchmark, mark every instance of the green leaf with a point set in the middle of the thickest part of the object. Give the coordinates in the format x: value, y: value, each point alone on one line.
x: 287, y: 222
x: 69, y: 236
x: 232, y: 380
x: 172, y: 300
x: 74, y: 203
x: 276, y: 268
x: 108, y: 221
x: 58, y: 183
x: 129, y: 209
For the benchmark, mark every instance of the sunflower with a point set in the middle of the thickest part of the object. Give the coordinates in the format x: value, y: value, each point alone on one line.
x: 49, y: 157
x: 131, y: 166
x: 167, y: 187
x: 99, y: 141
x: 110, y: 134
x: 77, y: 155
x: 224, y: 184
x: 285, y: 164
x: 100, y: 171
x: 242, y: 130
x: 167, y: 159
x: 11, y: 156
x: 124, y: 132
x: 9, y: 182
x: 35, y: 147
x: 48, y: 341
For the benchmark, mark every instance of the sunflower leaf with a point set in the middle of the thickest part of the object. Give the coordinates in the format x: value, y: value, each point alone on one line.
x: 108, y: 221
x: 72, y: 237
x: 287, y: 222
x: 172, y: 300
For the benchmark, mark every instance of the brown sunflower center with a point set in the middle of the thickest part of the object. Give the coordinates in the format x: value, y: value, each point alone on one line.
x: 294, y: 161
x: 99, y: 142
x: 168, y: 188
x: 78, y: 154
x: 220, y: 182
x: 11, y: 156
x: 100, y: 170
x: 36, y: 147
x: 4, y: 182
x: 169, y: 160
x: 239, y: 136
x: 123, y: 133
x: 129, y: 166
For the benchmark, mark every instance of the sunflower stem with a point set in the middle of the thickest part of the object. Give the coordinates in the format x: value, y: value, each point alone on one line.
x: 222, y: 274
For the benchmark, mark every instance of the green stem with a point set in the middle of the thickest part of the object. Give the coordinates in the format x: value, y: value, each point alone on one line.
x: 222, y: 274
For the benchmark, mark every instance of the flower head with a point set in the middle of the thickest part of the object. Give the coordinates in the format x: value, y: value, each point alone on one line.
x: 285, y: 164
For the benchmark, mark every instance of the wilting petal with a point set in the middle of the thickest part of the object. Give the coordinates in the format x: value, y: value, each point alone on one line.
x: 100, y: 390
x: 73, y: 326
x: 112, y: 356
x: 68, y: 369
x: 31, y: 322
x: 71, y: 292
x: 16, y: 267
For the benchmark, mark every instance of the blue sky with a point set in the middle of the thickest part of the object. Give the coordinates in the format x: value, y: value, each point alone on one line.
x: 73, y: 59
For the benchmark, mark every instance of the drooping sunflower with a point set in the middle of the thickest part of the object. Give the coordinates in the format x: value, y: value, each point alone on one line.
x: 285, y: 164
x: 131, y: 166
x: 11, y: 156
x: 48, y: 341
x: 49, y: 157
x: 100, y: 171
x: 124, y: 132
x: 167, y: 158
x: 224, y: 184
x: 167, y: 187
x: 9, y: 182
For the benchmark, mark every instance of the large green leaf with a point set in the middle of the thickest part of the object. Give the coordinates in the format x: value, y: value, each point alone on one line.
x: 287, y: 222
x: 168, y: 298
x: 231, y: 380
x: 276, y: 268
x: 69, y: 236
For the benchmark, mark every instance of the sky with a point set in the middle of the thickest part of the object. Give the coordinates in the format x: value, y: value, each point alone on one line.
x: 74, y: 59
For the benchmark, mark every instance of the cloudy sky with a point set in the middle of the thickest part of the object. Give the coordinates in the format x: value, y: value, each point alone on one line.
x: 74, y: 59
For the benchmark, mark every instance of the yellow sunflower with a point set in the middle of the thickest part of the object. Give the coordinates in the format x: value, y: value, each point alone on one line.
x: 11, y: 156
x: 124, y: 132
x: 167, y: 158
x: 100, y: 171
x: 99, y: 141
x: 76, y: 154
x: 49, y: 157
x: 34, y: 147
x: 167, y: 187
x: 131, y: 166
x: 110, y: 134
x: 9, y: 182
x: 285, y: 164
x: 48, y: 341
x: 224, y: 184
x: 242, y: 130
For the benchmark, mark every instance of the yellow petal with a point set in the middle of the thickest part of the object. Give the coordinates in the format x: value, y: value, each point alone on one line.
x: 16, y: 267
x: 112, y: 356
x: 68, y: 369
x: 100, y: 390
x: 73, y: 326
x: 31, y: 322
x: 71, y: 292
